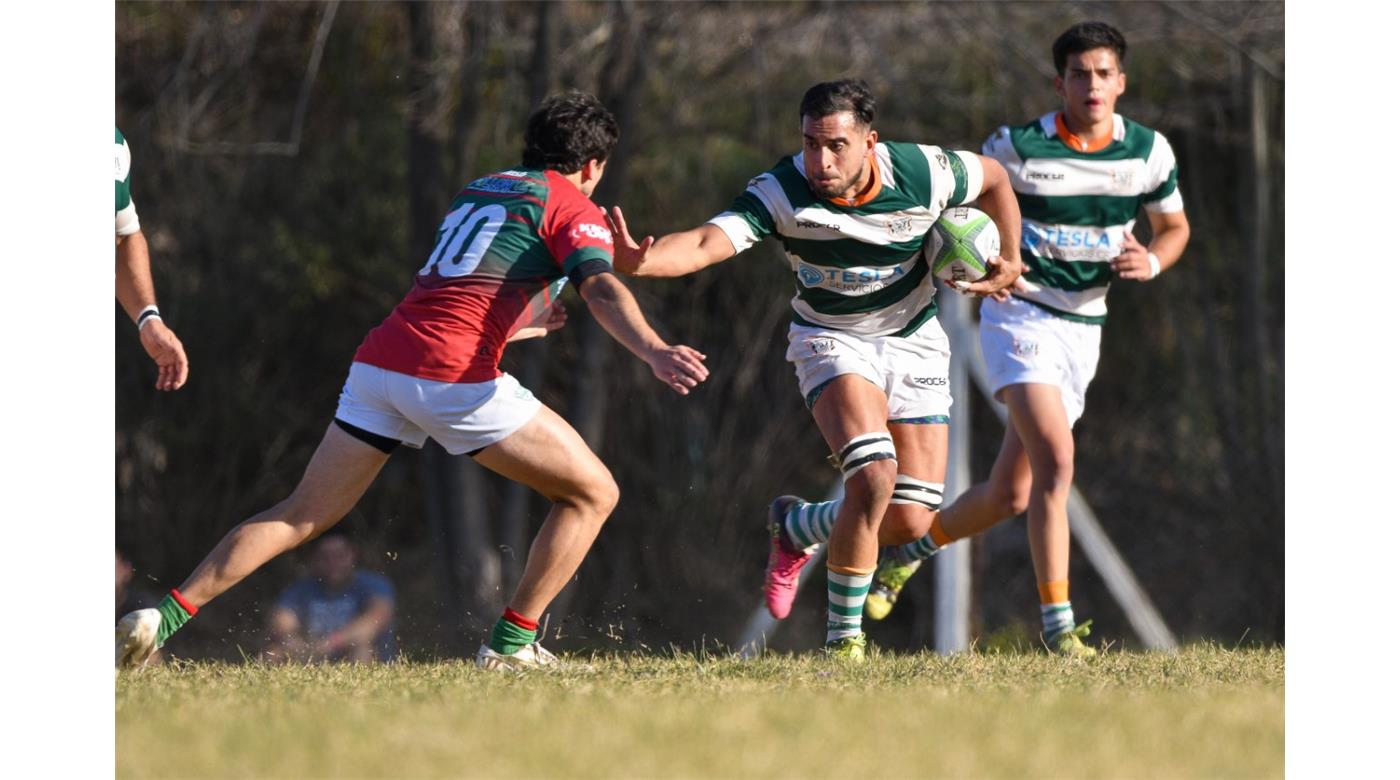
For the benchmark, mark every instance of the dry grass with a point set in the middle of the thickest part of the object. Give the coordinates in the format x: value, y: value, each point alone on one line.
x: 1206, y: 712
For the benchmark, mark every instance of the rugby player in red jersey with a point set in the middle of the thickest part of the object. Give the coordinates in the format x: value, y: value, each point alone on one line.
x: 431, y: 370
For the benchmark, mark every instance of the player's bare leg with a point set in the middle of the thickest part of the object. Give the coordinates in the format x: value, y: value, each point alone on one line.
x: 1044, y: 431
x: 548, y: 455
x: 1005, y: 494
x: 918, y: 493
x: 923, y: 457
x: 851, y: 414
x: 340, y: 471
x: 1045, y: 435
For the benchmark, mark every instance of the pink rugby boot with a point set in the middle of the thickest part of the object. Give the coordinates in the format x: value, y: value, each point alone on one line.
x: 784, y: 561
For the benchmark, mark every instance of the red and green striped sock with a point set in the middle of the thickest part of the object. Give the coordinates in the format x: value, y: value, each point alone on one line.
x: 174, y: 611
x: 512, y: 632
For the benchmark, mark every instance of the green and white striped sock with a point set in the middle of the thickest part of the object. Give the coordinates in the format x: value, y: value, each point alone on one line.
x: 808, y: 525
x: 1055, y: 619
x: 918, y: 550
x: 845, y: 599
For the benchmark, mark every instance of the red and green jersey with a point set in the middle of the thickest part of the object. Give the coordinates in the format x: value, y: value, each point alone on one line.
x: 507, y: 237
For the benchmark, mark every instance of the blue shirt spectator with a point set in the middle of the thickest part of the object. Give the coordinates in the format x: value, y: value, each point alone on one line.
x: 339, y: 613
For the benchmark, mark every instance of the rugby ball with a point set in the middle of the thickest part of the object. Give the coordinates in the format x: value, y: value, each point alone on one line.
x: 960, y: 243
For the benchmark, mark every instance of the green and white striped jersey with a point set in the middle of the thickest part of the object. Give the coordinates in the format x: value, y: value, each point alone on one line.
x: 858, y: 268
x: 127, y: 223
x: 1076, y: 207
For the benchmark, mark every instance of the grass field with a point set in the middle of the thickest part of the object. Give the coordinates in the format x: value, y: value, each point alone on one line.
x: 1205, y: 712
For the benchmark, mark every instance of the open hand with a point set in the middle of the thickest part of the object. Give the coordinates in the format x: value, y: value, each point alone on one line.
x: 679, y: 368
x: 628, y: 255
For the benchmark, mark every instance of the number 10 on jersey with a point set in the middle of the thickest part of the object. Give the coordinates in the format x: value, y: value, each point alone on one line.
x: 453, y: 256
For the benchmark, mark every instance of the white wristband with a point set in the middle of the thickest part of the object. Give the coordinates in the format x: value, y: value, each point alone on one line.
x: 1156, y: 264
x: 147, y: 314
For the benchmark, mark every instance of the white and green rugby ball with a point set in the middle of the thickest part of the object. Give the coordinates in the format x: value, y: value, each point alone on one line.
x: 960, y: 243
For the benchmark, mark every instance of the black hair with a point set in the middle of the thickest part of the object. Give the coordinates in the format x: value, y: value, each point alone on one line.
x: 833, y: 97
x: 567, y: 131
x: 1087, y: 36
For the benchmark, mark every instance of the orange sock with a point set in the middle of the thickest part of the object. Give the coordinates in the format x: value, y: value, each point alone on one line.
x: 1056, y: 592
x: 935, y: 530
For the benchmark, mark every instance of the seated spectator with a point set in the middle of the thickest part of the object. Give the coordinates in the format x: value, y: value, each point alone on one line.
x: 340, y: 613
x: 131, y: 595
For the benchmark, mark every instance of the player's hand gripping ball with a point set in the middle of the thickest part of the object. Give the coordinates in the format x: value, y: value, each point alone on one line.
x: 960, y: 243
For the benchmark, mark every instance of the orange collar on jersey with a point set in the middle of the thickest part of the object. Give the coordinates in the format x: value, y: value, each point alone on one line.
x: 1075, y: 142
x: 866, y: 195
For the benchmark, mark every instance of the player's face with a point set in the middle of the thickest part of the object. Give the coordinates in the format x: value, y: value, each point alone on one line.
x: 834, y: 149
x: 1090, y: 86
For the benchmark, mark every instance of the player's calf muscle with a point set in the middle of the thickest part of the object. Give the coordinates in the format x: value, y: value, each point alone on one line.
x: 904, y: 523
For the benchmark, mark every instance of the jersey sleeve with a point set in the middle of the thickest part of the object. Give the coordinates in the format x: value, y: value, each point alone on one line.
x: 955, y: 178
x: 1000, y: 147
x: 579, y: 239
x: 749, y: 219
x: 1163, y: 196
x: 127, y: 221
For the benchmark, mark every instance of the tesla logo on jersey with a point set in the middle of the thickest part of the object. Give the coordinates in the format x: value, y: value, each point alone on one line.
x: 590, y: 230
x: 810, y: 276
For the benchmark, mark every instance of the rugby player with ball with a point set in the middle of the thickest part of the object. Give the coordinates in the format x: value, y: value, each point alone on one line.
x: 851, y: 212
x: 1081, y: 175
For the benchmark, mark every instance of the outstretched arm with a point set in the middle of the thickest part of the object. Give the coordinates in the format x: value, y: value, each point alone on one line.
x: 135, y: 292
x: 676, y: 254
x: 679, y: 368
x: 999, y: 201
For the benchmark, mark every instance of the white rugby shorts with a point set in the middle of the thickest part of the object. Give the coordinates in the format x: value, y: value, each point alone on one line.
x: 462, y: 417
x: 911, y: 370
x: 1024, y: 344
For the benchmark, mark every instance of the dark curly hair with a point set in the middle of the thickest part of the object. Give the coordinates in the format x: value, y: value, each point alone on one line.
x: 1087, y: 36
x: 567, y: 131
x: 833, y: 97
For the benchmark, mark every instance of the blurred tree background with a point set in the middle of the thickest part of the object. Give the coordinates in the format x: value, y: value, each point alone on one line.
x: 291, y: 162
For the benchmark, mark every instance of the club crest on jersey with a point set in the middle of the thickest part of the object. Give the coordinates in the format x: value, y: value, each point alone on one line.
x: 590, y: 230
x: 901, y: 227
x: 1122, y: 178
